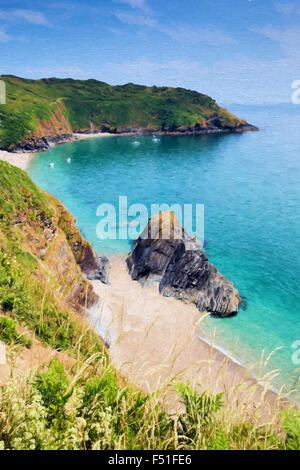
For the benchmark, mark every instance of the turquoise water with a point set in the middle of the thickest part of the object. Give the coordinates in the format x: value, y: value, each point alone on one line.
x: 250, y: 186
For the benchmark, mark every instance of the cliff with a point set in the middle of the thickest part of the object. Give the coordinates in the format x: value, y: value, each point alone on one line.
x: 46, y: 250
x: 39, y: 113
x: 165, y: 253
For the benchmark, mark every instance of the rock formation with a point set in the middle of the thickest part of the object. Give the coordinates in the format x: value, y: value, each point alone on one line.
x: 94, y: 267
x: 181, y: 267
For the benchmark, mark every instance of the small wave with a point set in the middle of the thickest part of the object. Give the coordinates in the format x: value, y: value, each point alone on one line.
x: 221, y: 350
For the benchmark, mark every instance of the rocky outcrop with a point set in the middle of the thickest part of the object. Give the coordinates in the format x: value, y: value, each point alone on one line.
x: 40, y: 144
x: 50, y: 238
x: 94, y: 267
x: 211, y: 127
x: 48, y: 132
x: 57, y: 241
x: 165, y: 253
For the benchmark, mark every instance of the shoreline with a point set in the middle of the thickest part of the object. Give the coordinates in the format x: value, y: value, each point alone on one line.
x: 22, y: 159
x: 46, y: 143
x: 152, y: 341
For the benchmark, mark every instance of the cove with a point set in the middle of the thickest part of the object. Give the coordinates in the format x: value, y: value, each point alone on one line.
x: 249, y: 185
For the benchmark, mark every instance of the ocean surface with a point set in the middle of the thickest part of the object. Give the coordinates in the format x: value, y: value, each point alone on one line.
x: 250, y: 187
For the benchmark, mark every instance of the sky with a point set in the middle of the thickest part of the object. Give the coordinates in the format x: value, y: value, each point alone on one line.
x: 237, y: 51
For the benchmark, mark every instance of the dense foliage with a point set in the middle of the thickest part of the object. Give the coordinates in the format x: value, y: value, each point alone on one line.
x: 59, y: 409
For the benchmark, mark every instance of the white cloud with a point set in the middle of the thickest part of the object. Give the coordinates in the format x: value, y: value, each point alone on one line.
x: 207, y: 35
x: 3, y: 35
x: 179, y: 31
x: 285, y: 8
x: 138, y: 4
x: 288, y: 38
x: 31, y: 16
x: 138, y: 20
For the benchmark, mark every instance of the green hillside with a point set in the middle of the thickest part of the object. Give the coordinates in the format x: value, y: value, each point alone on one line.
x: 89, y: 104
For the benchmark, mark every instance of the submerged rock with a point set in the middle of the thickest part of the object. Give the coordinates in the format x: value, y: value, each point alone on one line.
x: 181, y: 267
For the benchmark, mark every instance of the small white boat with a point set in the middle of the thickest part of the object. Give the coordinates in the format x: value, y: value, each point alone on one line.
x: 68, y: 160
x: 155, y: 139
x: 51, y: 165
x: 136, y: 142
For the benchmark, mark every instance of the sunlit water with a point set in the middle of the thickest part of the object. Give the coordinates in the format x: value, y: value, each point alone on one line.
x: 250, y: 186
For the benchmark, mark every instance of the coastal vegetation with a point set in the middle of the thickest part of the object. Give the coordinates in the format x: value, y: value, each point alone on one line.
x: 51, y: 107
x: 73, y: 398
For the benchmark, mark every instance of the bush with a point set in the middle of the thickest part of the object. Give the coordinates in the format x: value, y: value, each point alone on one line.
x: 291, y: 425
x: 8, y: 329
x: 9, y: 333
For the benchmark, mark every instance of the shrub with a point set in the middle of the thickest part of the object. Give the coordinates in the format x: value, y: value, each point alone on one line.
x: 8, y: 329
x: 291, y: 425
x: 9, y: 333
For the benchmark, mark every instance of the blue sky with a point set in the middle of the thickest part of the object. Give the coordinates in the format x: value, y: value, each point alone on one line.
x: 238, y: 51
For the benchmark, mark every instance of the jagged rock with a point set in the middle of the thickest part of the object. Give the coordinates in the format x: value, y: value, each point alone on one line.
x: 38, y: 144
x: 98, y: 270
x: 94, y: 267
x: 181, y: 267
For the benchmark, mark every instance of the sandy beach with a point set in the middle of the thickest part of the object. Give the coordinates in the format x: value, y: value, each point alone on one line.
x: 91, y: 136
x: 19, y: 159
x: 152, y: 342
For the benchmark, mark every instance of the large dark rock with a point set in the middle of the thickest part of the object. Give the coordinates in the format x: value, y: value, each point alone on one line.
x: 181, y: 267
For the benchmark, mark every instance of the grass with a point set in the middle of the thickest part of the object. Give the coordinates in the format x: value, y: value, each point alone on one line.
x: 86, y: 408
x: 9, y: 330
x: 20, y: 294
x: 25, y: 278
x: 90, y: 102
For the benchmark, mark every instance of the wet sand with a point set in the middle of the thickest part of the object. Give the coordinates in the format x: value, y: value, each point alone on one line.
x: 152, y: 342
